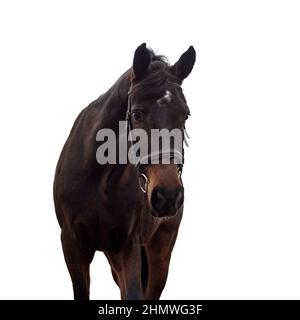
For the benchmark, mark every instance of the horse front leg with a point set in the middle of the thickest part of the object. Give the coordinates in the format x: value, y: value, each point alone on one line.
x: 78, y: 263
x: 126, y: 266
x: 158, y: 252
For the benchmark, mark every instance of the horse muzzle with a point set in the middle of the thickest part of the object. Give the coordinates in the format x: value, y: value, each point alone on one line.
x: 166, y: 202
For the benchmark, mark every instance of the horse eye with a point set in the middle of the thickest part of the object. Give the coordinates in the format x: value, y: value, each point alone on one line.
x: 187, y: 116
x: 137, y: 115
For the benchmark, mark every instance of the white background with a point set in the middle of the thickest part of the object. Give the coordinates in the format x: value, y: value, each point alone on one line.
x: 240, y: 233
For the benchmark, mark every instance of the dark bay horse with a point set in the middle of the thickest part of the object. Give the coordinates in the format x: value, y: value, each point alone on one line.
x: 102, y: 207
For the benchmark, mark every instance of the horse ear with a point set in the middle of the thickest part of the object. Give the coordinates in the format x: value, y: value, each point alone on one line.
x: 141, y: 61
x: 183, y: 67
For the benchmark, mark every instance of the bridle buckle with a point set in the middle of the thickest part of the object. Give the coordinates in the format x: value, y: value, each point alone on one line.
x: 143, y: 182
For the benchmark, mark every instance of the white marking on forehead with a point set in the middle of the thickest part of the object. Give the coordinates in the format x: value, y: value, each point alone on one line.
x: 165, y: 98
x: 167, y: 95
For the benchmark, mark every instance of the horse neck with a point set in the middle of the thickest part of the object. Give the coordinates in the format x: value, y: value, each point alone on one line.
x: 117, y: 95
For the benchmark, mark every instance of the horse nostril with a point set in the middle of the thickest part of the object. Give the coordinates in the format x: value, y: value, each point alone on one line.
x: 158, y: 199
x: 179, y: 199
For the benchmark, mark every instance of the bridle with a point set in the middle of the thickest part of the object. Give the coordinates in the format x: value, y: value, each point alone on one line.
x: 141, y: 162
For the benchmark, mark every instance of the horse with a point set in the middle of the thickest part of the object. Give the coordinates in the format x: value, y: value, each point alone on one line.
x: 130, y: 215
